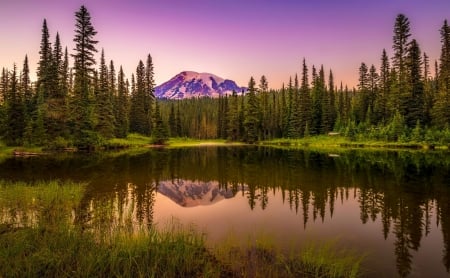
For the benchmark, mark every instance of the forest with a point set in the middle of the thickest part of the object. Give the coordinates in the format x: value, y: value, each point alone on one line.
x: 81, y: 102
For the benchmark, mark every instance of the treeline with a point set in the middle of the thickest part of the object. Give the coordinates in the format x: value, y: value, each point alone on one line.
x: 400, y: 100
x: 80, y: 105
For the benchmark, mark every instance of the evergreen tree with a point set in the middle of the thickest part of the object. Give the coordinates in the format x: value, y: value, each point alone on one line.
x: 380, y: 108
x: 15, y: 124
x: 251, y: 114
x: 81, y: 113
x: 305, y: 102
x: 332, y: 98
x: 428, y: 90
x: 401, y: 42
x: 415, y: 102
x: 27, y: 92
x: 121, y: 120
x: 294, y: 124
x: 364, y: 99
x: 138, y: 113
x: 159, y: 135
x: 173, y: 123
x: 105, y: 115
x: 441, y: 111
x: 149, y: 92
x: 264, y: 100
x: 233, y: 118
x: 54, y: 109
x: 3, y: 93
x: 45, y: 63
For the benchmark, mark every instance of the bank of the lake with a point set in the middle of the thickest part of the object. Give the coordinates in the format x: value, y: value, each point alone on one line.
x: 41, y: 235
x: 327, y: 142
x: 134, y: 142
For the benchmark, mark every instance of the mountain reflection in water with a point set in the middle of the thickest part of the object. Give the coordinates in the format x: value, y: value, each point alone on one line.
x: 394, y: 206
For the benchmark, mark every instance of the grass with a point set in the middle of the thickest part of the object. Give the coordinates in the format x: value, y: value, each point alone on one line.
x: 49, y: 242
x: 190, y: 142
x: 133, y: 140
x: 325, y: 142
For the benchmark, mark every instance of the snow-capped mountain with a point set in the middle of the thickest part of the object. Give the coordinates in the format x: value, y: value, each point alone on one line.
x: 189, y: 84
x: 189, y: 193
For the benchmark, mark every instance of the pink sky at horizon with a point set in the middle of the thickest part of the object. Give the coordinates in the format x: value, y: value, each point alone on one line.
x: 232, y: 39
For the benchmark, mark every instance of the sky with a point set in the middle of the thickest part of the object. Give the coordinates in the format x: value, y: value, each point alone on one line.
x: 234, y: 39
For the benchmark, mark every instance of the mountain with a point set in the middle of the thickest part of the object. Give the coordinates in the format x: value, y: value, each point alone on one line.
x: 189, y: 193
x: 189, y: 84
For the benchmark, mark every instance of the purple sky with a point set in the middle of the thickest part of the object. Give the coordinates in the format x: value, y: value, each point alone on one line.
x: 233, y: 39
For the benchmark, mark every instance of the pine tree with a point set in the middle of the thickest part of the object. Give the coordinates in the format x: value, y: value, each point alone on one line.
x: 27, y: 92
x: 122, y: 107
x: 28, y: 103
x: 332, y: 97
x: 415, y: 102
x: 149, y: 92
x: 428, y: 90
x: 159, y: 135
x: 264, y: 100
x: 441, y: 111
x: 364, y: 99
x: 381, y: 112
x: 305, y: 102
x: 15, y: 112
x: 401, y: 42
x: 173, y: 123
x: 54, y: 108
x: 81, y: 113
x: 105, y: 115
x: 138, y: 113
x: 3, y: 94
x: 45, y: 63
x: 251, y: 121
x: 233, y: 118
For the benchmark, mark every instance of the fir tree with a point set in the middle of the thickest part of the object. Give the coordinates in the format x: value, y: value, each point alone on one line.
x: 138, y: 113
x: 173, y: 123
x: 54, y: 109
x: 364, y: 98
x: 159, y: 136
x: 15, y: 124
x: 105, y: 115
x: 381, y: 112
x: 149, y: 92
x: 415, y: 103
x: 81, y: 113
x: 251, y: 114
x: 233, y: 118
x: 121, y: 120
x: 401, y: 42
x: 305, y: 100
x: 441, y: 111
x: 45, y: 63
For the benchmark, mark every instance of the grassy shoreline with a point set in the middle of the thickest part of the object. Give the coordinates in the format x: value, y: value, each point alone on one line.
x: 135, y: 142
x: 40, y: 237
x: 338, y: 142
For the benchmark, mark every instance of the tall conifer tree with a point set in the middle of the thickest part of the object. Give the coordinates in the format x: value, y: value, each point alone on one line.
x: 82, y: 107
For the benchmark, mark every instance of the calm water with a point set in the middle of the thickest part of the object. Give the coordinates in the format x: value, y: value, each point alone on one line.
x: 392, y: 206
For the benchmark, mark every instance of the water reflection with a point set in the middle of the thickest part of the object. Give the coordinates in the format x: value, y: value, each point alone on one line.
x: 404, y: 195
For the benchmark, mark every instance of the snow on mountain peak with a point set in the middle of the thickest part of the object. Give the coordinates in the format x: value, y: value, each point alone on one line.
x: 189, y: 84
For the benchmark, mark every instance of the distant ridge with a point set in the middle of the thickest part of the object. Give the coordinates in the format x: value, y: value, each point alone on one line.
x: 190, y: 84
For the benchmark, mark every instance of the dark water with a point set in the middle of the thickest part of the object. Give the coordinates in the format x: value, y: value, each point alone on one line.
x: 392, y: 206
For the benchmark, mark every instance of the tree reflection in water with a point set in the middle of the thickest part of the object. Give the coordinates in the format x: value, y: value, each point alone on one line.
x: 403, y: 190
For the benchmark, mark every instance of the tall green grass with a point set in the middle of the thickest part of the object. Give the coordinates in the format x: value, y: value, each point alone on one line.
x: 41, y: 235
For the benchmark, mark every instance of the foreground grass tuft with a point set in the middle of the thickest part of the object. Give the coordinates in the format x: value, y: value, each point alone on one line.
x: 42, y: 235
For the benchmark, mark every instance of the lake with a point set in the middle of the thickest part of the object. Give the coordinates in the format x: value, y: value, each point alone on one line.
x: 391, y: 206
